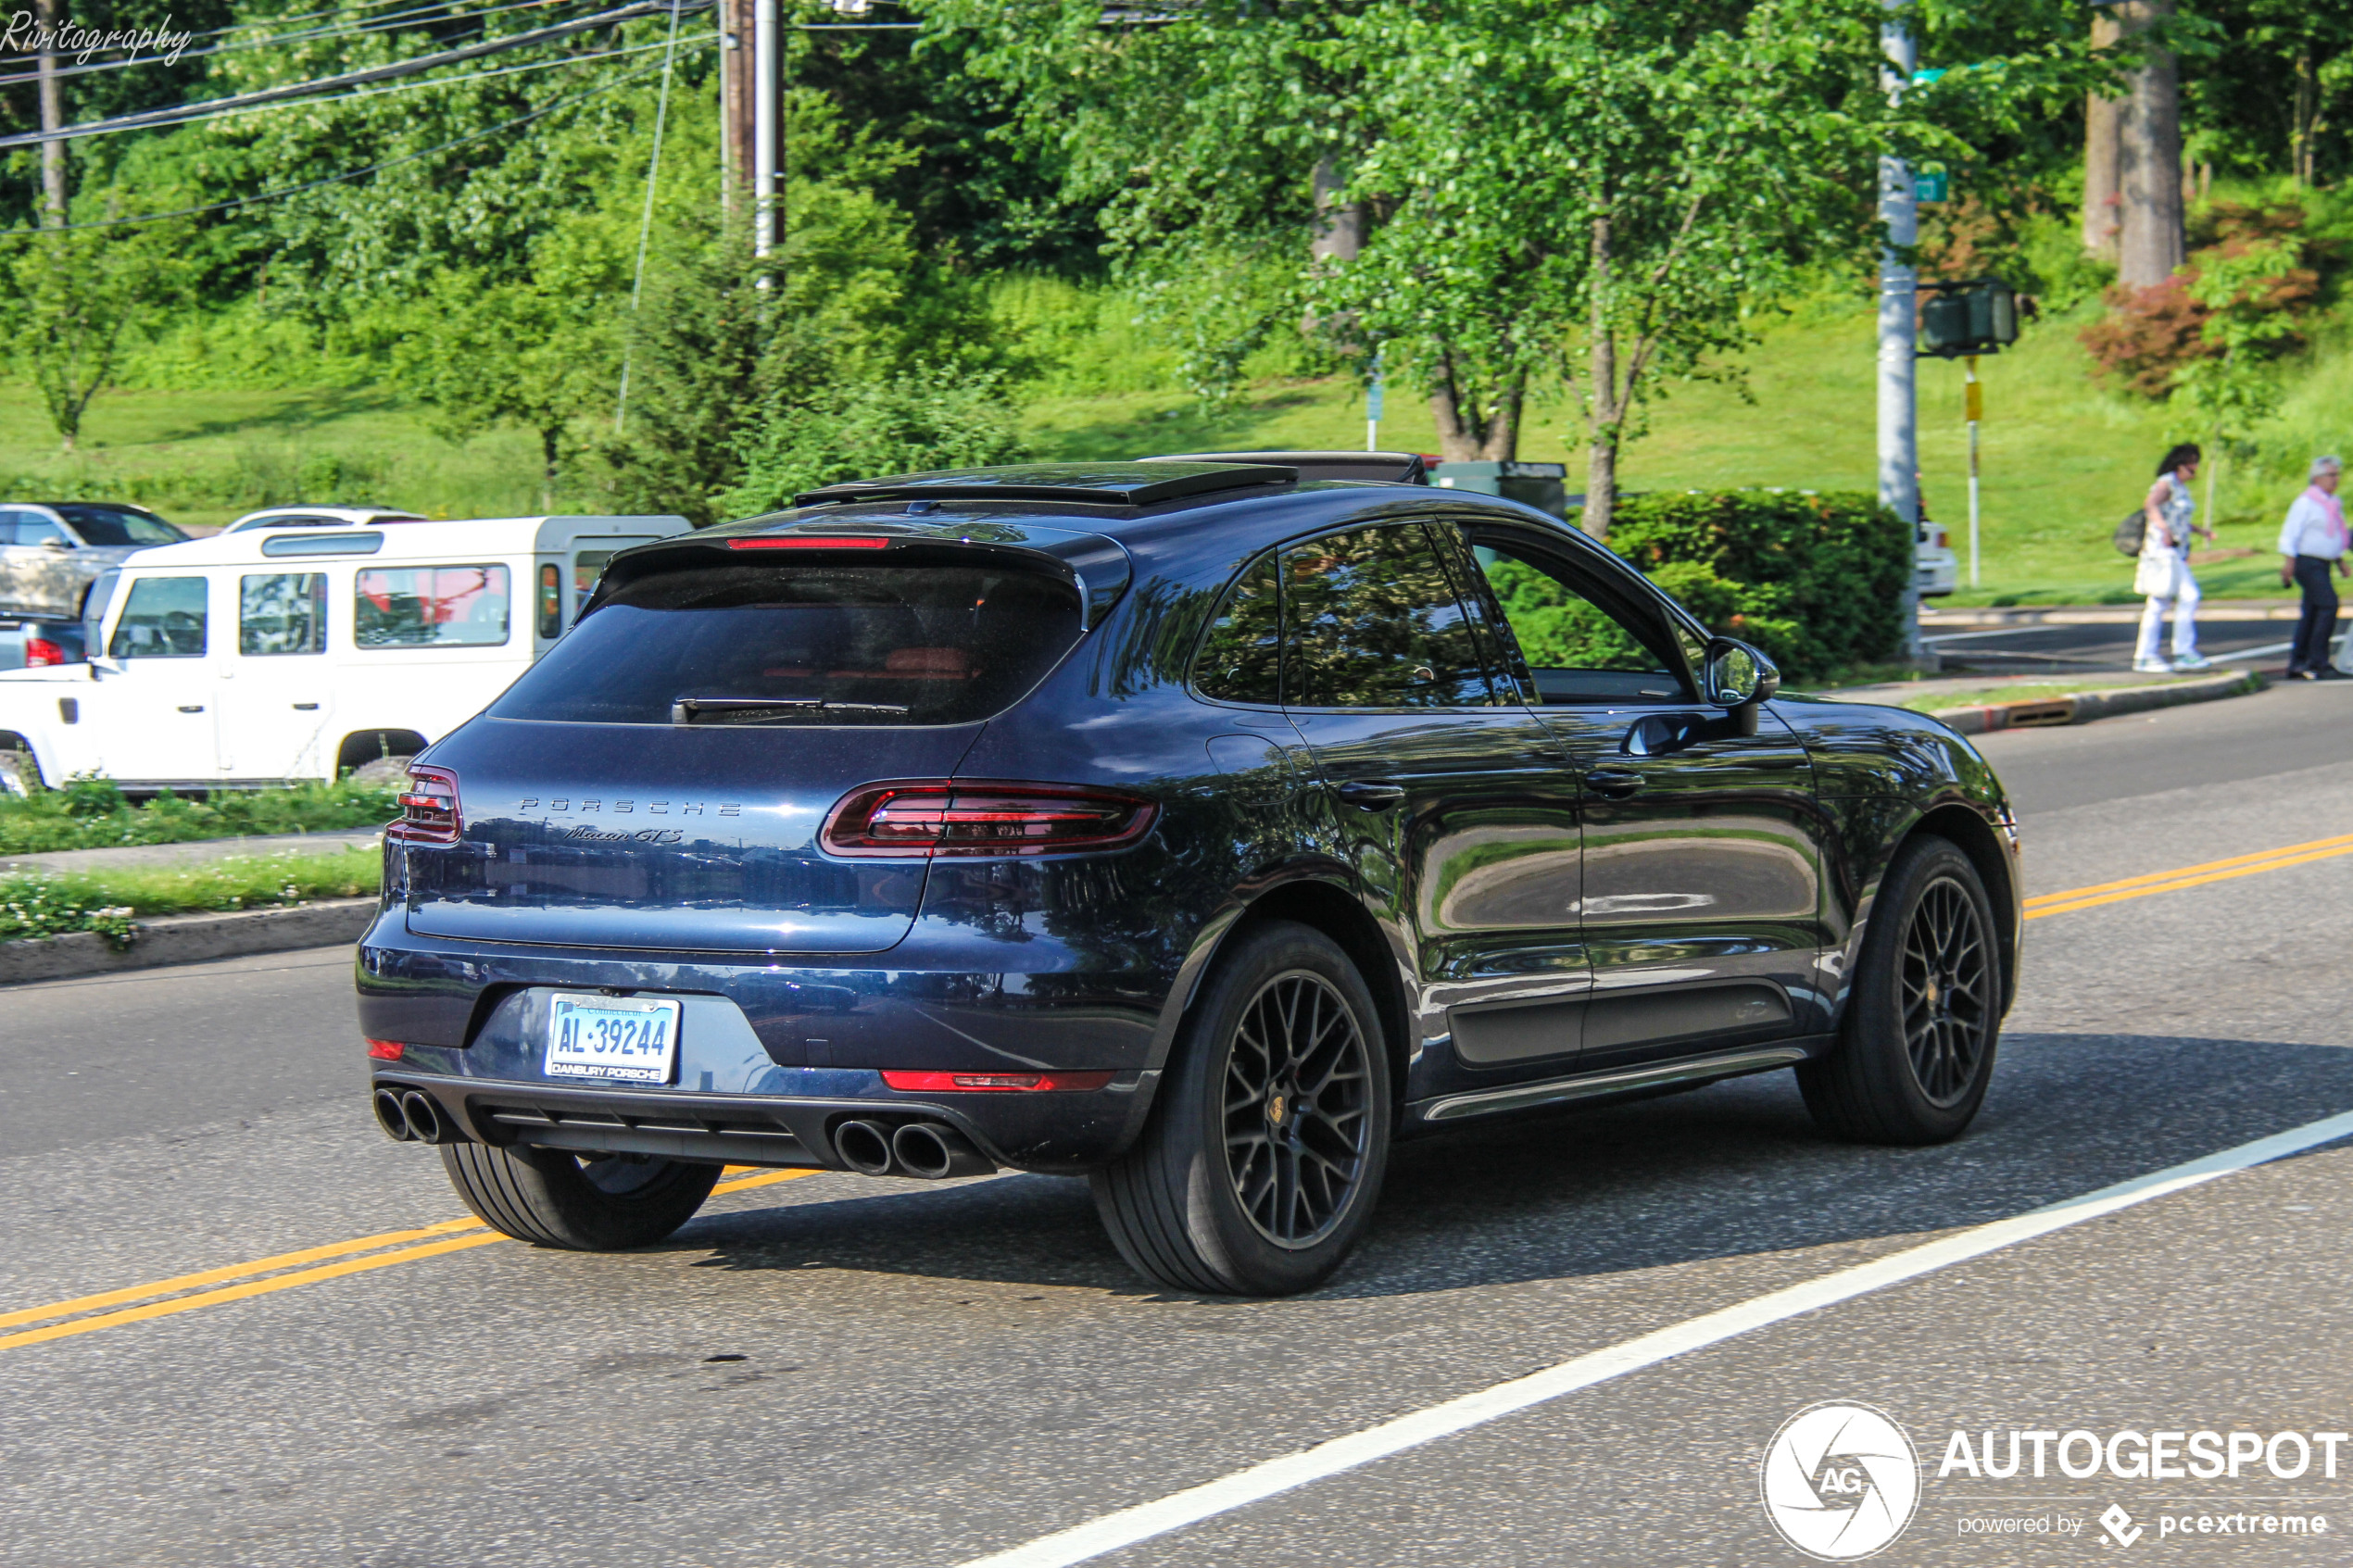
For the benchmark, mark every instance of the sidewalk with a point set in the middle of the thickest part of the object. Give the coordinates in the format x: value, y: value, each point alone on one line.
x: 145, y: 856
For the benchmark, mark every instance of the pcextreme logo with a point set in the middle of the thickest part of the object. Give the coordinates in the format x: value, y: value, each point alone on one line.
x: 1840, y: 1481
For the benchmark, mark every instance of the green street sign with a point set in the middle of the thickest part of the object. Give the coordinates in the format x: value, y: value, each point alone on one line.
x: 1928, y: 186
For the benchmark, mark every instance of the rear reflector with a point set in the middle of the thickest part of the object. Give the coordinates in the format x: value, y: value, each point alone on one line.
x: 983, y: 817
x: 808, y: 542
x: 385, y: 1050
x: 963, y: 1082
x: 40, y: 653
x: 429, y: 811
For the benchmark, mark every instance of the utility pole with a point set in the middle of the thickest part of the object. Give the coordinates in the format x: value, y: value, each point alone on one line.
x: 766, y: 38
x: 1899, y: 487
x: 735, y: 101
x: 53, y: 115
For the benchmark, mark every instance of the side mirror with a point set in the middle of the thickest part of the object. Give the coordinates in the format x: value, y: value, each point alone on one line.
x: 1738, y: 677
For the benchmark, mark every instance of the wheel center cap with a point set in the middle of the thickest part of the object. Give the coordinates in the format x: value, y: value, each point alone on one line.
x: 1276, y: 1106
x: 1935, y: 991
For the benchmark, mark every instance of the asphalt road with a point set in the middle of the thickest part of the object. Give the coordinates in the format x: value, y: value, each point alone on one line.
x: 2095, y: 649
x: 829, y: 1370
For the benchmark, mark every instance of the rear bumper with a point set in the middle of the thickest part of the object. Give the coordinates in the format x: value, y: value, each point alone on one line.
x: 770, y: 1059
x: 1055, y: 1132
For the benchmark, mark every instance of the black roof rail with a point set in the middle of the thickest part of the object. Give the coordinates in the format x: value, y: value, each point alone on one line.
x: 1102, y: 484
x: 1392, y: 468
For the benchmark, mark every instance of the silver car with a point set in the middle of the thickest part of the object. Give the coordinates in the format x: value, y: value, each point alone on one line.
x: 50, y: 553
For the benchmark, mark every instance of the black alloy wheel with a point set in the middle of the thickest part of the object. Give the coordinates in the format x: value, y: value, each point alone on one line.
x: 1264, y: 1155
x: 1917, y: 1042
x: 1948, y: 991
x: 1295, y: 1101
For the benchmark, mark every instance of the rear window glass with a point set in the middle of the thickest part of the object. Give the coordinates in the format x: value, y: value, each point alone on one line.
x: 788, y: 645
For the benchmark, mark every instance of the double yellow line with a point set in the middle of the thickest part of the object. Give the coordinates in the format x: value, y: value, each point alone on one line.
x: 2188, y: 876
x: 238, y: 1282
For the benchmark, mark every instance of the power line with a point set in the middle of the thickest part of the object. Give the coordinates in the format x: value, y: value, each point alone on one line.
x: 180, y: 114
x: 335, y: 178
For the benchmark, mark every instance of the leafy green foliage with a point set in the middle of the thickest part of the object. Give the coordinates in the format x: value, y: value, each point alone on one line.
x: 91, y: 814
x: 1815, y: 581
x: 77, y: 301
x: 900, y: 425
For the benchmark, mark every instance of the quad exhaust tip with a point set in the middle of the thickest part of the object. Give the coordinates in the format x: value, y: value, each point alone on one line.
x: 423, y: 1118
x: 928, y: 1151
x: 390, y: 1117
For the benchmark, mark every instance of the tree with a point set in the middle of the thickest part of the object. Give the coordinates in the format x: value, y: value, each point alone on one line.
x: 2150, y: 238
x: 78, y: 299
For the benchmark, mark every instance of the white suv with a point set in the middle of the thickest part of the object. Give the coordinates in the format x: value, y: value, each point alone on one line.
x: 1935, y: 568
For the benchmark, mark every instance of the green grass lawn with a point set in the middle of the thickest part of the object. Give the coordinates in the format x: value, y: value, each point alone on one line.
x: 109, y: 901
x: 2061, y: 460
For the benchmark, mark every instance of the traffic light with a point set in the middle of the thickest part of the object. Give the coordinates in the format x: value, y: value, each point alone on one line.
x: 1979, y: 316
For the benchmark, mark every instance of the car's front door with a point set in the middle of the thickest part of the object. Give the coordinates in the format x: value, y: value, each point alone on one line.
x: 151, y: 709
x: 1449, y: 798
x: 1703, y: 846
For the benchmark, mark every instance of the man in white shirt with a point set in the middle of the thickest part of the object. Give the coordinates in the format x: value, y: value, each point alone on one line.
x: 2311, y: 544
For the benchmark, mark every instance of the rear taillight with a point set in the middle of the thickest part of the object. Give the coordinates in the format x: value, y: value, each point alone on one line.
x: 919, y: 821
x: 429, y: 812
x: 965, y: 1083
x: 811, y: 541
x: 385, y: 1050
x: 40, y: 653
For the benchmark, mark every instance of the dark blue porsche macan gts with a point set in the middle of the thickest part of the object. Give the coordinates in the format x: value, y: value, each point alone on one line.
x: 1184, y: 825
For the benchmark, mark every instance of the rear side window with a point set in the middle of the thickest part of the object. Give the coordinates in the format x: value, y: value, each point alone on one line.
x: 119, y: 526
x: 283, y: 612
x: 416, y: 606
x: 164, y: 617
x: 805, y: 644
x: 1242, y: 656
x: 1373, y: 622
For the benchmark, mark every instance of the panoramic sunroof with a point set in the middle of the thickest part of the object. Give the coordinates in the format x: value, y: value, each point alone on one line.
x: 1113, y: 485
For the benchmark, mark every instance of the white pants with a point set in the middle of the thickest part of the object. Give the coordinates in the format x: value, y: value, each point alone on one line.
x: 2184, y: 600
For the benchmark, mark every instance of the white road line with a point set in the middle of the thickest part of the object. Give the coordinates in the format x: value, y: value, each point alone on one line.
x: 1129, y: 1525
x: 2253, y: 653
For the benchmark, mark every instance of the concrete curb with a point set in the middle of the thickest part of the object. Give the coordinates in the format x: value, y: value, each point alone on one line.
x: 2105, y: 615
x: 176, y: 939
x: 2084, y: 707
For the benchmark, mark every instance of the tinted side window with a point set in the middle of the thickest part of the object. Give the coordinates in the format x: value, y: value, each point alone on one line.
x: 1578, y: 649
x: 164, y: 617
x: 284, y: 612
x: 1373, y: 622
x: 1241, y: 658
x: 430, y: 607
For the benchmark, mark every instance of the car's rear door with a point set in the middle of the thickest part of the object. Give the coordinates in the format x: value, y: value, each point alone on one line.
x: 1704, y: 847
x: 1448, y: 796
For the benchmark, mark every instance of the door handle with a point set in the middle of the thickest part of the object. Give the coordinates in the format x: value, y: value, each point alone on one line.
x: 1614, y: 784
x: 1371, y: 795
x: 192, y: 707
x: 306, y: 708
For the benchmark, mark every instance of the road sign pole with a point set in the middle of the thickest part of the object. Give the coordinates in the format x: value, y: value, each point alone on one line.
x: 1899, y: 488
x: 1976, y: 411
x: 1373, y: 409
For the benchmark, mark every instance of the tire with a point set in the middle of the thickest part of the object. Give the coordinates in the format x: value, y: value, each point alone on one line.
x: 1262, y: 1162
x: 593, y: 1203
x: 1924, y: 1019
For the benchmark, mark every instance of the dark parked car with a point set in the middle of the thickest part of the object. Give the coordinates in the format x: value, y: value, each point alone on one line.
x: 1187, y: 826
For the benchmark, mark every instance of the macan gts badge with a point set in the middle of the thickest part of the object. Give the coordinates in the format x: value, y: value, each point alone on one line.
x: 1200, y: 827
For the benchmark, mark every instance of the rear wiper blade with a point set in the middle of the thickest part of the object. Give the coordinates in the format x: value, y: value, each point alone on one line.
x: 741, y: 710
x: 773, y: 709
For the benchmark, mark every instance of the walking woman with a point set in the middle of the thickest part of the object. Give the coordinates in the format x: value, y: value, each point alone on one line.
x: 2164, y: 573
x: 2311, y: 546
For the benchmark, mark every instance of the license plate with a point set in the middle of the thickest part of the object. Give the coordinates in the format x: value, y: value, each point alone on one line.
x: 627, y: 1039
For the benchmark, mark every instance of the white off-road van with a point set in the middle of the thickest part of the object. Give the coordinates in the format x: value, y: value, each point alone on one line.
x: 269, y: 655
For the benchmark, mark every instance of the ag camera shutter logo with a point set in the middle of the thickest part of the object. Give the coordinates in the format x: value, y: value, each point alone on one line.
x: 1840, y: 1481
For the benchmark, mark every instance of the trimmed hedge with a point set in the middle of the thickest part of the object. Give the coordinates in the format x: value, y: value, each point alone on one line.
x: 1814, y: 580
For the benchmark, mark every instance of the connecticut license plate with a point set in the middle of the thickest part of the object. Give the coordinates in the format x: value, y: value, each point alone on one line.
x: 629, y: 1039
